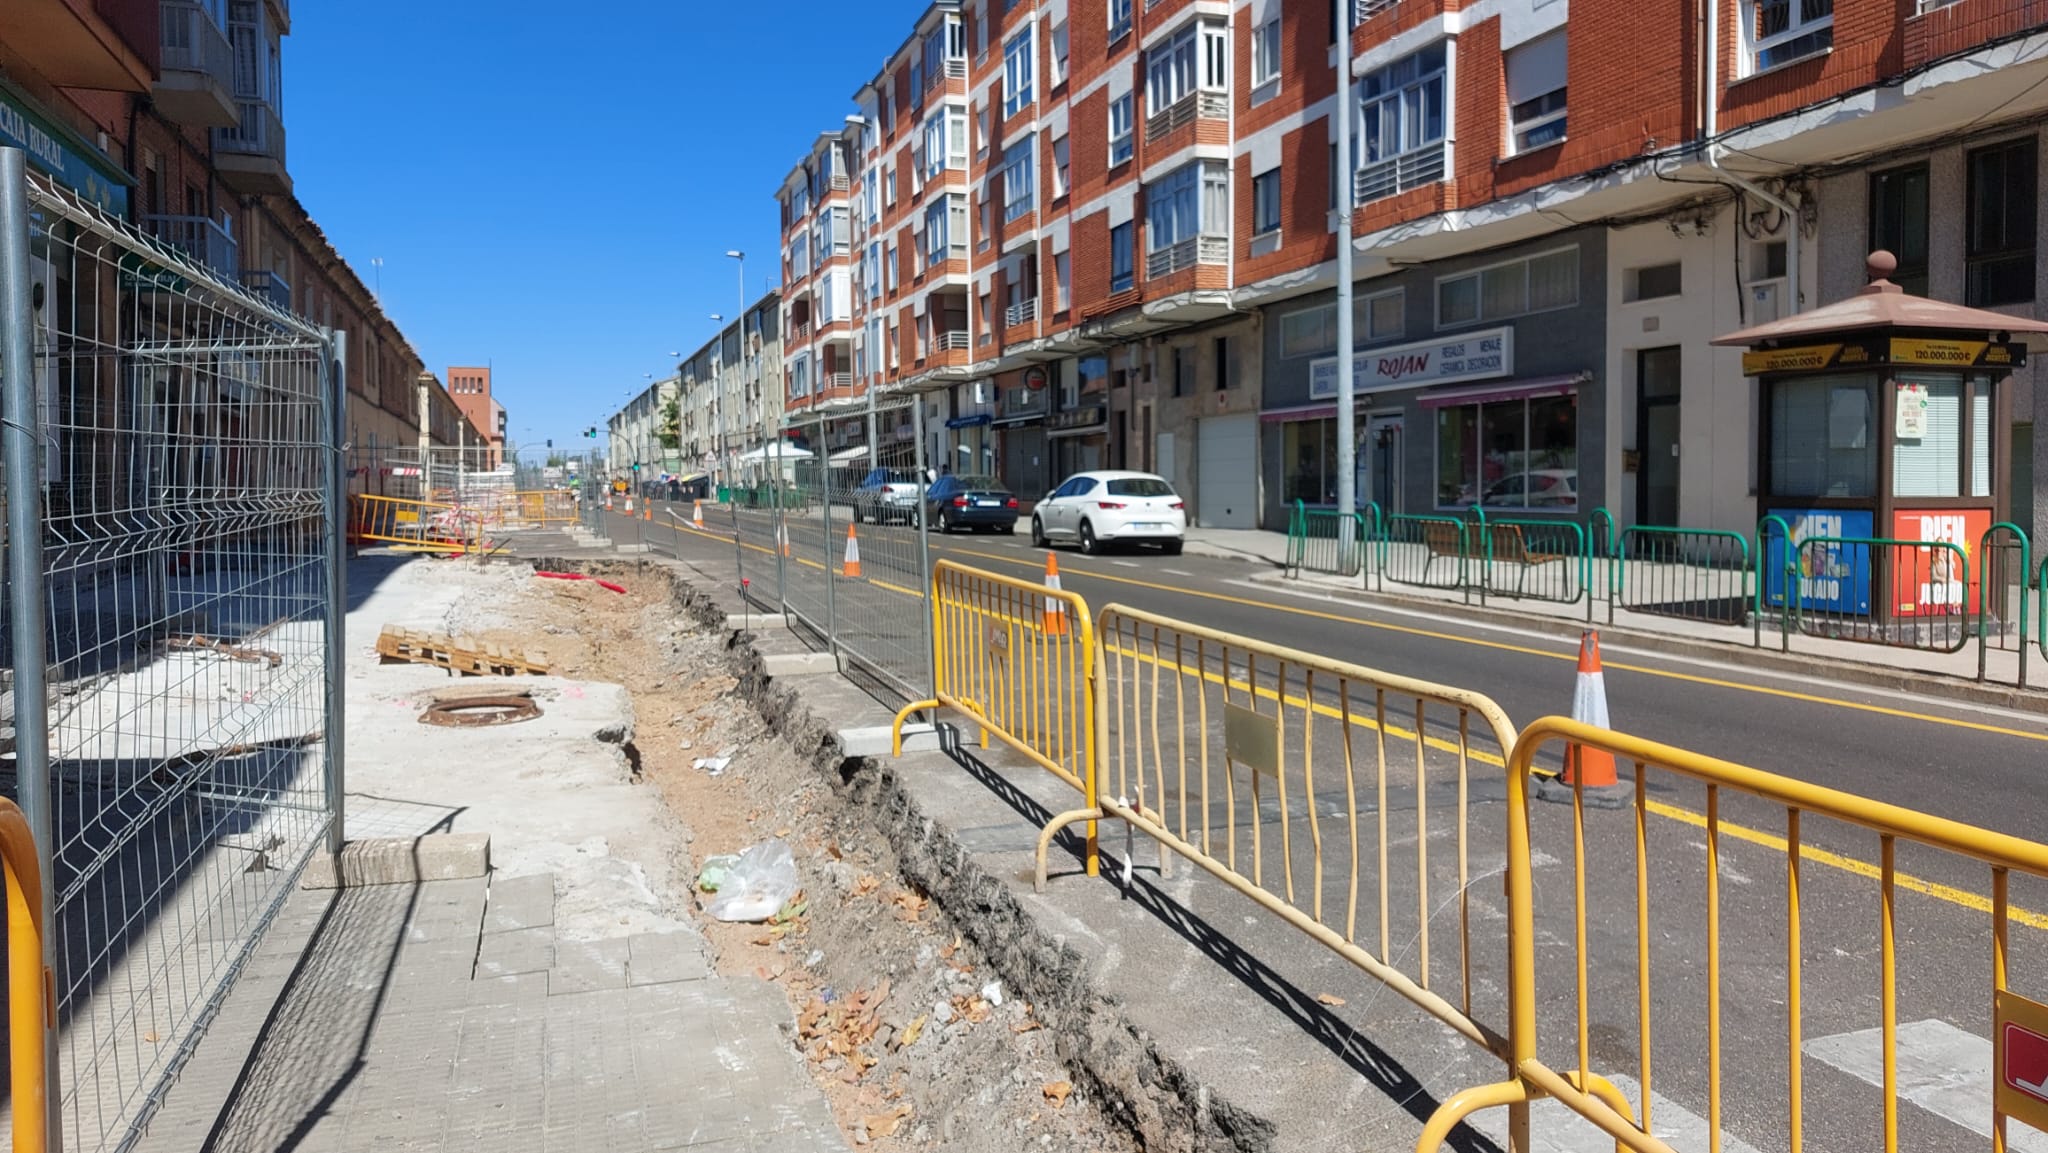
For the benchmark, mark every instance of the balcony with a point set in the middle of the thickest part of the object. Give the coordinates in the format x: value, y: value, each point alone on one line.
x: 202, y: 240
x: 800, y: 330
x: 1400, y: 173
x: 267, y: 285
x: 1185, y: 111
x: 835, y: 380
x: 197, y: 86
x: 1022, y: 312
x: 250, y: 156
x: 1186, y: 254
x: 957, y: 341
x: 1364, y: 10
x: 103, y: 44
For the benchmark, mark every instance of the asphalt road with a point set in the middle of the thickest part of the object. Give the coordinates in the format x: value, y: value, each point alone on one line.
x: 1974, y: 765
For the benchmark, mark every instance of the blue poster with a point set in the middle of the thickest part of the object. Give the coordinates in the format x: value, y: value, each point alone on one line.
x: 1833, y: 577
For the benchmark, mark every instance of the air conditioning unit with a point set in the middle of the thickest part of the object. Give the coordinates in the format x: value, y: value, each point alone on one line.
x: 1765, y: 298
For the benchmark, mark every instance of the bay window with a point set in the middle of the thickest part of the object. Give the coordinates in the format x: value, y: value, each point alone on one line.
x: 1520, y: 453
x: 1197, y: 58
x: 1187, y: 206
x: 945, y: 141
x: 1401, y: 125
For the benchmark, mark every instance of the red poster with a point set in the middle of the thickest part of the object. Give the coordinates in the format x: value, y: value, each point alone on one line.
x: 1929, y: 581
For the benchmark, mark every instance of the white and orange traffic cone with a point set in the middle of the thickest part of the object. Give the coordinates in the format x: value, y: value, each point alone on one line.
x: 697, y: 515
x: 1587, y: 770
x: 629, y: 504
x: 607, y: 500
x: 782, y: 539
x: 1055, y: 609
x: 851, y: 568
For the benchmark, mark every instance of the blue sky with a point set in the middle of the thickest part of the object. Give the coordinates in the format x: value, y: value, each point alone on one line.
x: 554, y: 194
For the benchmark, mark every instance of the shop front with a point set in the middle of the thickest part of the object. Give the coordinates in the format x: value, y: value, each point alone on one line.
x: 1080, y: 430
x: 1022, y: 404
x: 1880, y: 463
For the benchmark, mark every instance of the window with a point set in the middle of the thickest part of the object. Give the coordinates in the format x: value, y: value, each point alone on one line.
x: 1782, y: 31
x: 1057, y: 69
x: 1059, y: 168
x: 1265, y: 59
x: 1375, y: 317
x: 1379, y: 317
x: 1172, y: 70
x: 1932, y: 463
x: 1536, y: 73
x: 1119, y: 20
x: 981, y: 131
x: 1226, y: 361
x: 936, y: 217
x: 1020, y: 195
x: 1266, y: 202
x: 874, y: 270
x: 1063, y: 287
x: 1401, y: 125
x: 1119, y: 130
x: 889, y: 185
x: 1652, y: 282
x: 1511, y: 454
x: 1823, y: 441
x: 945, y: 142
x: 889, y: 269
x: 1308, y: 453
x: 1534, y: 284
x: 1017, y: 73
x: 1898, y: 222
x: 1999, y: 230
x: 1310, y: 332
x: 1191, y: 201
x: 1183, y: 370
x: 1121, y: 258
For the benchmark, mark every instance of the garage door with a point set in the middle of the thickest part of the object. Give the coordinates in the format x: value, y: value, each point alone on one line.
x: 1227, y: 472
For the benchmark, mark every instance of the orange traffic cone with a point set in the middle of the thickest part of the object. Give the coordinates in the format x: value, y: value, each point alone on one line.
x: 629, y: 504
x: 697, y: 515
x: 851, y: 569
x: 782, y: 539
x: 1055, y: 610
x: 607, y: 500
x: 1591, y: 768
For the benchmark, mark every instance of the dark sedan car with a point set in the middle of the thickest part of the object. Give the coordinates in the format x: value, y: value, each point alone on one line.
x: 971, y: 502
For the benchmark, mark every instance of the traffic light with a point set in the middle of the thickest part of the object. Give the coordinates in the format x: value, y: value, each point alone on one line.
x: 636, y: 466
x: 551, y: 442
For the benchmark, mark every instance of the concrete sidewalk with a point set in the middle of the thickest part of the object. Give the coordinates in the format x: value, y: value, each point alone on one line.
x: 548, y: 993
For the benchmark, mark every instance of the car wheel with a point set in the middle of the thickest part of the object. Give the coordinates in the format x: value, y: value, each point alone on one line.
x: 856, y: 514
x: 946, y: 523
x: 1089, y: 545
x: 1037, y: 533
x: 1172, y: 547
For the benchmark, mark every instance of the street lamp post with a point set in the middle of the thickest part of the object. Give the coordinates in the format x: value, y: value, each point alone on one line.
x: 741, y: 318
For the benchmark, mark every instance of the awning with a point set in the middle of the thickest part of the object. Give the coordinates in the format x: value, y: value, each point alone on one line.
x: 846, y: 454
x: 970, y: 421
x: 1527, y: 389
x: 1299, y: 412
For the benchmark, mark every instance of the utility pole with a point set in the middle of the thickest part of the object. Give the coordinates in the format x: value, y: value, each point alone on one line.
x: 1347, y: 403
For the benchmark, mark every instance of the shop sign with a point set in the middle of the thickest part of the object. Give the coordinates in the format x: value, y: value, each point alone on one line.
x: 1833, y: 573
x: 1079, y: 418
x: 1957, y: 353
x: 48, y: 151
x: 1473, y: 356
x: 1932, y: 580
x: 1808, y: 358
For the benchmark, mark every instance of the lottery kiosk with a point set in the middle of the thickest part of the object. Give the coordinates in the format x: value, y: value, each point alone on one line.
x: 1883, y: 438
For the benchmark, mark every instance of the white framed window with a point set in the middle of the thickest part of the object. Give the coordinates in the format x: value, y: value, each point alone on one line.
x: 945, y: 141
x: 889, y: 185
x: 1020, y: 193
x: 1057, y: 69
x: 1121, y: 258
x: 1536, y: 89
x: 1119, y: 130
x: 1537, y: 283
x: 889, y: 268
x: 1781, y: 31
x: 981, y: 131
x: 1266, y: 202
x: 1170, y: 71
x: 1191, y: 201
x: 1059, y: 168
x: 1266, y: 59
x: 1401, y: 125
x: 1062, y: 282
x: 1119, y: 20
x: 874, y: 270
x: 1017, y: 73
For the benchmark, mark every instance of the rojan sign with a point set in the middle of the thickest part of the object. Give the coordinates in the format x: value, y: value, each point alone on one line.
x: 1474, y: 356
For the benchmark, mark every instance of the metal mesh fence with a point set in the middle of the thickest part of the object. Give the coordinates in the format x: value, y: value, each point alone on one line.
x: 178, y: 436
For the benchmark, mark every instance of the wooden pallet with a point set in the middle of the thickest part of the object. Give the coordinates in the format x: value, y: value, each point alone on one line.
x: 463, y: 655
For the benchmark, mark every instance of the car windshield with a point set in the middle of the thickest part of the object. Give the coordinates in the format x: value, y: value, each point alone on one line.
x: 892, y: 476
x: 982, y: 484
x: 1140, y: 486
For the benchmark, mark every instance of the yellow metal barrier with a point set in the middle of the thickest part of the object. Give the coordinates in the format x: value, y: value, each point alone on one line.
x: 412, y: 525
x: 1213, y: 737
x: 31, y: 992
x: 1580, y: 1089
x: 1018, y: 659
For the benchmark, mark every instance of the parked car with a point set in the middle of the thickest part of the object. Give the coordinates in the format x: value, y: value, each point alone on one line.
x: 971, y: 502
x: 1536, y: 488
x: 1097, y: 509
x: 886, y: 494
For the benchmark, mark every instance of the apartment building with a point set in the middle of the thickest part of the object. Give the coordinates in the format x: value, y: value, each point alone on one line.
x: 641, y: 439
x: 732, y: 394
x: 471, y: 390
x: 168, y: 115
x: 1094, y: 233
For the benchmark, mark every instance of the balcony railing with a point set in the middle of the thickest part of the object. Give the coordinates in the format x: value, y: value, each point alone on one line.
x: 261, y: 132
x: 1022, y: 312
x: 1182, y: 112
x: 201, y: 239
x: 835, y: 380
x: 268, y: 285
x: 192, y: 42
x: 1400, y: 173
x: 1186, y: 254
x: 840, y: 184
x: 800, y: 330
x: 956, y: 341
x: 1363, y: 10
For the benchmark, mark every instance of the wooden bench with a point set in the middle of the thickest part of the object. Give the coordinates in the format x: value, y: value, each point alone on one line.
x: 1509, y: 545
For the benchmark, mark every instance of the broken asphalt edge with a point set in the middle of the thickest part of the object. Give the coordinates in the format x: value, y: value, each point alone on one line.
x: 1132, y: 1077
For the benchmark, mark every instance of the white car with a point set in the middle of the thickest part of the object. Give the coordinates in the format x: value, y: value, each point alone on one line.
x: 1096, y: 509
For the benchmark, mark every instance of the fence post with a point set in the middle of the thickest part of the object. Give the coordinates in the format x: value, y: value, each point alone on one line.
x: 924, y: 555
x: 1984, y: 594
x: 333, y: 394
x: 22, y: 438
x: 831, y: 597
x: 1485, y: 551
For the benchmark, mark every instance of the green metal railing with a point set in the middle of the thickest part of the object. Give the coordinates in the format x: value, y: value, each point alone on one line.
x: 1927, y: 583
x: 1768, y: 529
x: 2002, y: 615
x: 1529, y: 558
x: 1426, y: 551
x: 1691, y: 574
x: 1321, y: 540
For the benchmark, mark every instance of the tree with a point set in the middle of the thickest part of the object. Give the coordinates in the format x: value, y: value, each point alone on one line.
x: 671, y: 434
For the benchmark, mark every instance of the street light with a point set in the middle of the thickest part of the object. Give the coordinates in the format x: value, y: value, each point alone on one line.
x: 741, y: 257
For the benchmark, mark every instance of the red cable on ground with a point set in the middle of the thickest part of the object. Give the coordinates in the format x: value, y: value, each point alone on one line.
x: 577, y: 576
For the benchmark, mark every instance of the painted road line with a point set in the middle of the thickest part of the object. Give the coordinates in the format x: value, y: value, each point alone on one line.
x: 1125, y: 563
x: 1176, y: 572
x: 1555, y: 1128
x: 1942, y: 1069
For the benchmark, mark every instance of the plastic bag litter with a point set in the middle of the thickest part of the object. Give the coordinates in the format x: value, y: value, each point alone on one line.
x: 757, y: 885
x: 713, y: 765
x: 716, y: 869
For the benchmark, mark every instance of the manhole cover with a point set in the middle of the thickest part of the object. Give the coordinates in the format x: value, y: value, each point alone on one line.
x: 476, y: 712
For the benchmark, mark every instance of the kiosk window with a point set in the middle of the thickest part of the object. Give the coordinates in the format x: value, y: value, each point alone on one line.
x: 1930, y: 464
x: 1823, y: 443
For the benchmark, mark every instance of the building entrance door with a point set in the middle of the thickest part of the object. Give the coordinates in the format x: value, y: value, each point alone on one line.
x: 1657, y: 397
